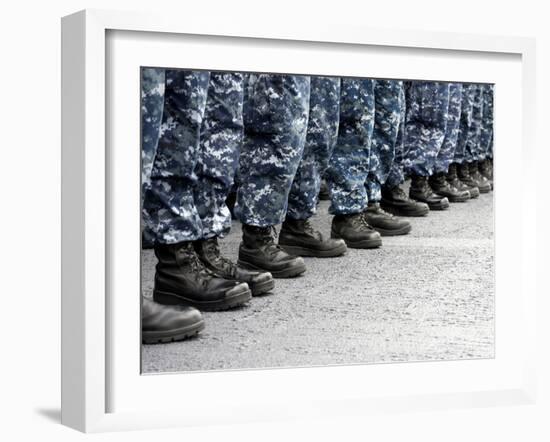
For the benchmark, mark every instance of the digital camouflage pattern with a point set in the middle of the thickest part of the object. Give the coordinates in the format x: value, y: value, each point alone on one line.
x: 275, y: 125
x: 396, y: 175
x: 486, y: 137
x: 472, y: 150
x: 447, y: 152
x: 169, y: 202
x: 152, y: 101
x: 466, y: 108
x: 220, y: 141
x: 197, y: 156
x: 425, y: 124
x: 349, y: 164
x: 388, y: 117
x: 322, y: 132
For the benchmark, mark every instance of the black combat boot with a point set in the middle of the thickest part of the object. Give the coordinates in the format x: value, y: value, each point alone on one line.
x: 483, y: 183
x: 209, y: 253
x: 324, y: 194
x: 355, y: 231
x: 258, y: 251
x: 160, y: 323
x: 299, y: 238
x: 441, y: 186
x: 396, y: 201
x: 181, y: 278
x: 486, y: 170
x: 421, y: 191
x: 385, y: 223
x: 453, y: 180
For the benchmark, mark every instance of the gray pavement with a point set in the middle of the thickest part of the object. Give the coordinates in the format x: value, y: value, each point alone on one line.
x: 425, y: 296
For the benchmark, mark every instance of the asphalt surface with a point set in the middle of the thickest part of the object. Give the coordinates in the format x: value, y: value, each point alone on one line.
x: 428, y: 295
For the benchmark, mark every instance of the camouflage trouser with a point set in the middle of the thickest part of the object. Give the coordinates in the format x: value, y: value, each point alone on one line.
x: 388, y: 119
x: 472, y: 149
x: 152, y: 100
x: 396, y: 175
x: 349, y: 163
x: 446, y: 153
x: 276, y: 119
x: 465, y: 122
x: 322, y: 131
x: 196, y: 156
x: 425, y: 123
x: 486, y: 138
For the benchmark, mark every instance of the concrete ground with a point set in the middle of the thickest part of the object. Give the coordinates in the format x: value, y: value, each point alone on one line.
x: 425, y: 296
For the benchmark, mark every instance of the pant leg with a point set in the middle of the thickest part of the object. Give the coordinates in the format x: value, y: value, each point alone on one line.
x: 396, y: 175
x: 446, y: 153
x: 322, y: 132
x: 486, y: 135
x: 275, y: 124
x: 169, y: 203
x: 220, y: 141
x: 152, y: 102
x: 425, y: 124
x: 387, y: 118
x: 466, y: 109
x: 474, y: 131
x: 349, y: 163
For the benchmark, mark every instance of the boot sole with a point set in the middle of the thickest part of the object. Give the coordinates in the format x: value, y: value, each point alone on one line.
x: 284, y: 273
x: 262, y: 287
x: 178, y: 334
x: 394, y: 232
x: 302, y: 251
x: 458, y: 199
x: 363, y: 244
x: 402, y: 212
x: 234, y: 300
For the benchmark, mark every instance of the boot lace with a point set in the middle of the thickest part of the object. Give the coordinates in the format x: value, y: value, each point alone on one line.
x: 213, y: 252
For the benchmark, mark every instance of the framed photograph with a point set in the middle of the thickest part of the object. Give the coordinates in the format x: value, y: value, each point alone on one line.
x: 271, y: 222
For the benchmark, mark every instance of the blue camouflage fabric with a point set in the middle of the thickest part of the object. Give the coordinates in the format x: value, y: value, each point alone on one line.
x: 472, y: 148
x: 486, y: 137
x: 275, y: 125
x: 425, y: 124
x: 396, y: 175
x: 196, y: 156
x: 220, y: 141
x: 322, y: 132
x: 152, y: 102
x: 349, y: 163
x: 466, y: 109
x: 388, y: 117
x: 446, y: 154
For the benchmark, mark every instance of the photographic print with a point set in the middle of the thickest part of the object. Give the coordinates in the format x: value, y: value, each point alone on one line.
x: 300, y: 220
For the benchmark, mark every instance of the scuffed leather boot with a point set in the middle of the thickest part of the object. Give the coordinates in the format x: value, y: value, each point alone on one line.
x: 439, y: 185
x: 209, y: 253
x: 258, y: 251
x: 160, y: 323
x: 421, y: 191
x: 469, y: 174
x: 486, y: 170
x: 453, y: 180
x: 396, y: 201
x: 385, y: 223
x: 299, y: 238
x: 355, y: 231
x: 181, y: 278
x: 483, y: 183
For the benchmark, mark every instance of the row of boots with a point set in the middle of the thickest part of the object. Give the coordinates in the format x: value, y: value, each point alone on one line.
x: 195, y: 275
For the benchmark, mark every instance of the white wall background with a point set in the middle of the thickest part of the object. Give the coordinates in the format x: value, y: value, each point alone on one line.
x: 30, y: 212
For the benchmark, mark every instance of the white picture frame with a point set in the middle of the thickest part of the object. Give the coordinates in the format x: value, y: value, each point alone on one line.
x: 90, y: 372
